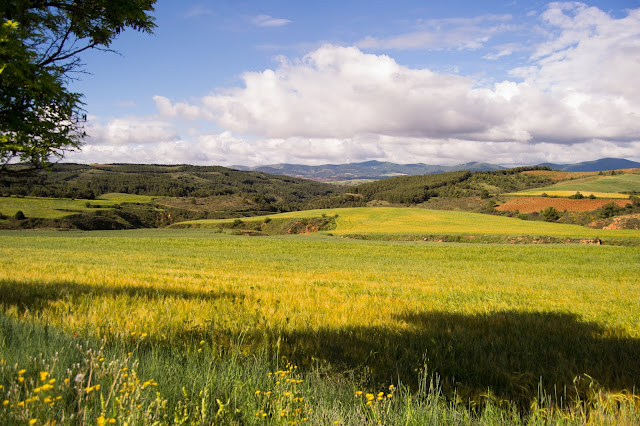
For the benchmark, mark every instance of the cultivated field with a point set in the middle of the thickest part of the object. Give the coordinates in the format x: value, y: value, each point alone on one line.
x: 182, y: 325
x: 382, y: 221
x: 56, y: 208
x: 600, y: 185
x: 536, y: 204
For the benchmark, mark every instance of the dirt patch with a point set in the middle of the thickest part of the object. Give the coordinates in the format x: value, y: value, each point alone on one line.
x: 535, y: 204
x: 629, y: 221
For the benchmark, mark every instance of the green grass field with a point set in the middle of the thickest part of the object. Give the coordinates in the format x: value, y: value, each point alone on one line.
x: 206, y: 315
x: 599, y: 186
x: 56, y: 208
x: 389, y: 220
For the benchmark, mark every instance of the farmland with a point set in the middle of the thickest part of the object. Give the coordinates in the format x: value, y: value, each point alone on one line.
x: 209, y: 317
x: 383, y: 221
x: 517, y: 320
x: 534, y: 204
x: 599, y: 185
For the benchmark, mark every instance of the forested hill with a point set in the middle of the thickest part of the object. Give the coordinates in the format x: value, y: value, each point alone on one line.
x: 276, y: 192
x: 417, y: 189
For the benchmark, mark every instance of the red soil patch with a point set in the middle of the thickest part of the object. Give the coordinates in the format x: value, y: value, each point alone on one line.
x: 535, y: 204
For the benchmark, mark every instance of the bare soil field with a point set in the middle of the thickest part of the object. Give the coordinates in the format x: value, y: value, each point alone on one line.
x: 535, y: 204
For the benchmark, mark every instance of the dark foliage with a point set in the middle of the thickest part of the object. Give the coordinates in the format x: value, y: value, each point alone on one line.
x: 417, y: 189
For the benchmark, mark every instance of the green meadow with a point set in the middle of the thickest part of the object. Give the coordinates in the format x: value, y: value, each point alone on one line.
x: 57, y: 208
x: 388, y: 220
x: 201, y: 327
x: 600, y: 186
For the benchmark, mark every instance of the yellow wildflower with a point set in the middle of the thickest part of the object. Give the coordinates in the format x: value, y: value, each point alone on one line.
x: 43, y: 375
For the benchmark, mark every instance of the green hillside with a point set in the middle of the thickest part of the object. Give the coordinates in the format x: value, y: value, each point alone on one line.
x: 271, y: 193
x: 619, y: 183
x: 418, y: 189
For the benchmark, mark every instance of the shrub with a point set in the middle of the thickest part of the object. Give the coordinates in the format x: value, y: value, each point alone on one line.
x: 19, y: 215
x: 550, y: 214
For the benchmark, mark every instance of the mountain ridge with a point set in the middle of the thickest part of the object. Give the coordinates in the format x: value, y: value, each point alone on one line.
x: 376, y: 170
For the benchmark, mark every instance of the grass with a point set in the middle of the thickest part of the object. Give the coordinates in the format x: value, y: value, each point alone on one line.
x: 119, y: 198
x: 468, y: 334
x: 388, y: 220
x: 600, y: 186
x: 45, y: 208
x: 57, y: 208
x: 554, y: 193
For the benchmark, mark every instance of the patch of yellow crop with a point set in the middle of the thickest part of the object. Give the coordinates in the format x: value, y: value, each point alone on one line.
x: 392, y: 220
x: 537, y: 193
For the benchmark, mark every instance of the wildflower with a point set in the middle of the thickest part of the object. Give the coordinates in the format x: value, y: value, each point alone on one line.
x: 21, y: 372
x: 33, y: 421
x: 5, y: 402
x: 20, y: 379
x: 100, y: 420
x: 257, y: 392
x: 370, y: 396
x: 358, y: 393
x: 389, y: 396
x: 43, y: 375
x: 391, y: 387
x: 202, y: 342
x: 79, y: 377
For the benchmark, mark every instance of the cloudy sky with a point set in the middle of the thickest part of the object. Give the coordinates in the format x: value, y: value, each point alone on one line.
x: 262, y: 82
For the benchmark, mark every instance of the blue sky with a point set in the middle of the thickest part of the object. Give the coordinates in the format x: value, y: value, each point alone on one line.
x: 264, y: 82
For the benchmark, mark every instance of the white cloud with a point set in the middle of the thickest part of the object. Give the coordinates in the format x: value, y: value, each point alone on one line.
x: 128, y: 131
x: 457, y: 33
x: 575, y: 100
x: 268, y: 21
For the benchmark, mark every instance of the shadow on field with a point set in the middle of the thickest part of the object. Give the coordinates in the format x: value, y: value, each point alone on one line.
x: 511, y: 353
x: 36, y: 296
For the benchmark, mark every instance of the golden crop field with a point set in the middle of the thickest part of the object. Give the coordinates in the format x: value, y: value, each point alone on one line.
x: 514, y: 321
x: 389, y: 220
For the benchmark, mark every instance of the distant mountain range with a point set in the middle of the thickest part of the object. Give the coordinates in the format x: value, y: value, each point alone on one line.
x: 375, y: 170
x: 595, y: 166
x: 370, y: 170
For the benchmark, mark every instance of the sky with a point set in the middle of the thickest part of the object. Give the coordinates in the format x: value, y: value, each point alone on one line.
x: 239, y: 82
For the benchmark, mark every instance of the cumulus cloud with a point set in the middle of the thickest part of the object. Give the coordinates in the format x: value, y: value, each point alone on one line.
x: 574, y: 100
x: 268, y: 21
x: 128, y: 131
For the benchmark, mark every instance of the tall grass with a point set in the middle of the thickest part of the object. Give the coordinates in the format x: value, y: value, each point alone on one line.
x: 498, y: 328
